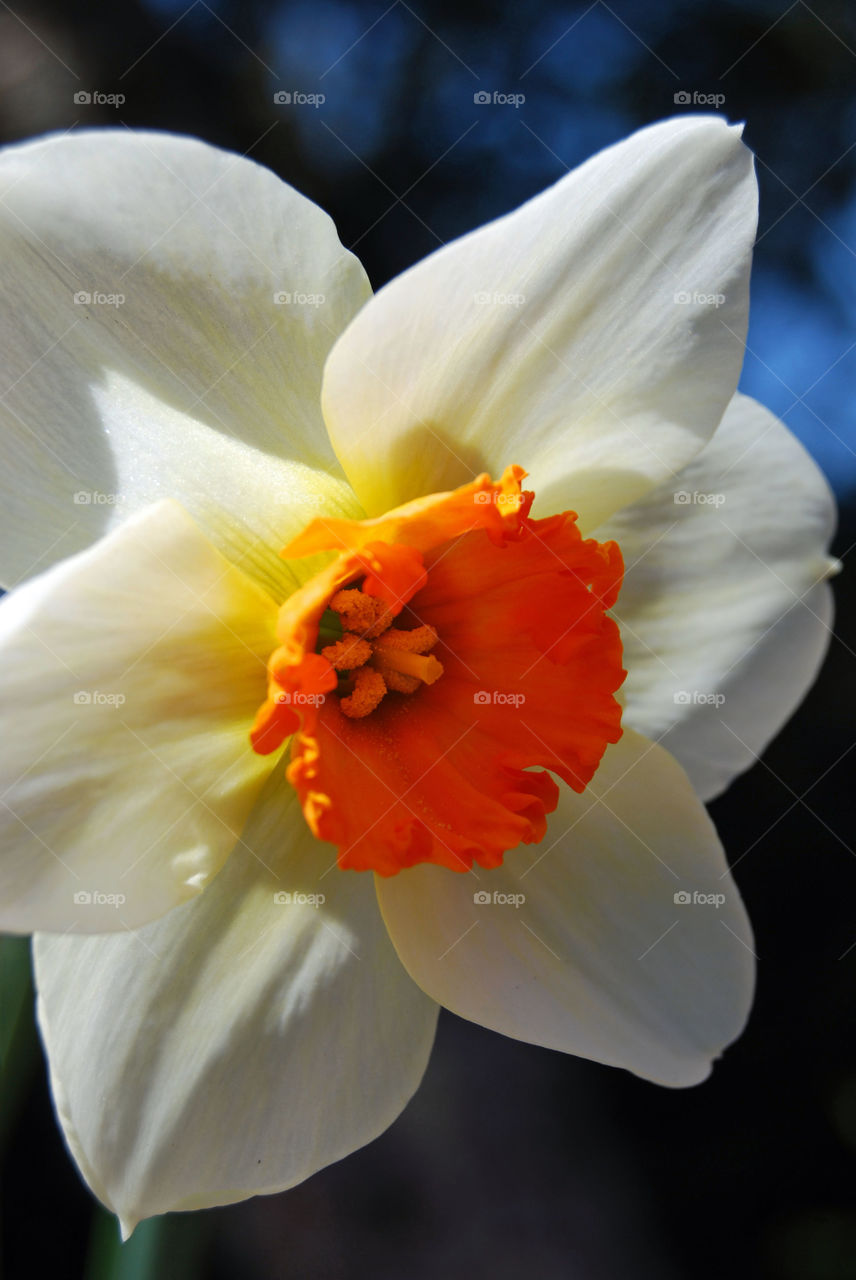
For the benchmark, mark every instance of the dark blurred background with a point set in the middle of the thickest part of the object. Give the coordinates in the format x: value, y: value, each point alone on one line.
x: 513, y: 1161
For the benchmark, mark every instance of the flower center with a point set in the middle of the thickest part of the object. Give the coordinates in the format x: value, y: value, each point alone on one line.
x: 373, y: 657
x: 398, y: 758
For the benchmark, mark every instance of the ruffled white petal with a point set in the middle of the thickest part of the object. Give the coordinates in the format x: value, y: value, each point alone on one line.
x: 725, y: 611
x: 239, y: 1044
x: 194, y: 370
x: 130, y: 677
x: 595, y: 335
x: 599, y: 958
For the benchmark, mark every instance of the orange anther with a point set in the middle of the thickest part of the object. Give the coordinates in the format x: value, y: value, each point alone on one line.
x: 369, y: 688
x: 347, y: 653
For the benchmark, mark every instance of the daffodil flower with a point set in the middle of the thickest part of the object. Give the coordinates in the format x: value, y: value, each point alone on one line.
x: 209, y: 746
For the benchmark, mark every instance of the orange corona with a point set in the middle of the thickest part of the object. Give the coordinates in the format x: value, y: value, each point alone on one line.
x: 430, y: 740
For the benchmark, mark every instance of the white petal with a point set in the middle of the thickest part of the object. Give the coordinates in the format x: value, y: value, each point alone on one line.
x: 196, y: 385
x: 557, y: 337
x: 724, y: 612
x: 240, y: 1044
x: 600, y: 960
x: 131, y: 674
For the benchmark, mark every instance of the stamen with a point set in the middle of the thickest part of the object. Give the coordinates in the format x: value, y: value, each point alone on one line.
x: 369, y: 689
x: 347, y: 653
x: 419, y: 640
x: 364, y: 615
x: 397, y: 657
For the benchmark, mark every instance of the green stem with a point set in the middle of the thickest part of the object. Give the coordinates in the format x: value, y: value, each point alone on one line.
x: 165, y: 1246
